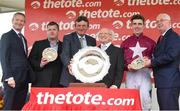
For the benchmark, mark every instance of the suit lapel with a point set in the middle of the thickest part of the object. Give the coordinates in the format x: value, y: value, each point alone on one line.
x: 47, y: 44
x: 161, y: 42
x: 19, y: 41
x: 76, y: 40
x: 88, y: 40
x: 109, y: 49
x: 59, y: 47
x: 26, y: 46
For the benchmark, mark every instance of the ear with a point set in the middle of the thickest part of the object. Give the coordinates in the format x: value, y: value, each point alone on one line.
x: 74, y: 26
x: 130, y: 24
x: 12, y: 19
x: 144, y: 24
x: 111, y: 39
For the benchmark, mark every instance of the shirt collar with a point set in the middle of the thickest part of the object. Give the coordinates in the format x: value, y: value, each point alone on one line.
x: 53, y: 43
x: 80, y: 36
x: 139, y: 35
x: 107, y: 44
x: 17, y: 32
x: 166, y: 31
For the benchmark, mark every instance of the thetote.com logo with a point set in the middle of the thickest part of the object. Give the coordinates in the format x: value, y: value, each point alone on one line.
x: 35, y: 4
x: 87, y: 98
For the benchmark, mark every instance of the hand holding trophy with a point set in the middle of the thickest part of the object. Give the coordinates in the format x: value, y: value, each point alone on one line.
x: 136, y: 64
x: 90, y: 64
x: 48, y: 55
x: 70, y: 67
x: 147, y: 61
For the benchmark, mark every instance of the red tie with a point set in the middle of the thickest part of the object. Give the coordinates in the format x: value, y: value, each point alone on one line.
x: 160, y: 38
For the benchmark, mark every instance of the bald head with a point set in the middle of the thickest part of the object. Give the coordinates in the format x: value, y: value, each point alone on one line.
x: 163, y: 21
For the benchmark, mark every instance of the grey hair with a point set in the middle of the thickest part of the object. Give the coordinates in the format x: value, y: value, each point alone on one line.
x: 110, y: 31
x: 165, y: 16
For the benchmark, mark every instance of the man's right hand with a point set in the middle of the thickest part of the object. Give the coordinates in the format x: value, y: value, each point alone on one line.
x: 43, y: 62
x: 70, y: 67
x: 11, y: 83
x: 130, y: 68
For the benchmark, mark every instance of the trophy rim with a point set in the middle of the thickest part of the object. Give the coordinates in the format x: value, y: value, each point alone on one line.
x: 92, y: 79
x: 52, y: 51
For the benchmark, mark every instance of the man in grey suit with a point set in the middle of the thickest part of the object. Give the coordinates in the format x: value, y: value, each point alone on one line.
x: 72, y: 43
x: 15, y: 65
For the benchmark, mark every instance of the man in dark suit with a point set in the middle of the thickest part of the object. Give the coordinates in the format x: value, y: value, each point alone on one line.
x: 15, y: 65
x: 47, y: 73
x: 115, y: 74
x: 165, y: 64
x: 71, y: 45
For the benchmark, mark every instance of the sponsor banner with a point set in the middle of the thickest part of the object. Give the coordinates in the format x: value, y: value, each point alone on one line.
x: 83, y: 99
x: 114, y: 14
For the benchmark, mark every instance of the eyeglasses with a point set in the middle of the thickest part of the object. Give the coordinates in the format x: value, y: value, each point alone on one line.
x: 161, y: 20
x: 100, y: 34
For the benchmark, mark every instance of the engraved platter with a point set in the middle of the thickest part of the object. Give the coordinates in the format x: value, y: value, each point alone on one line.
x: 90, y: 64
x: 50, y: 54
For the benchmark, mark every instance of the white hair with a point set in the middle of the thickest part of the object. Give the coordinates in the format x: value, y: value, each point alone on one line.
x: 165, y: 16
x: 110, y: 31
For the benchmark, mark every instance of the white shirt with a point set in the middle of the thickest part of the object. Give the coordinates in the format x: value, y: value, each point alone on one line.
x: 83, y: 39
x: 105, y: 46
x: 17, y: 32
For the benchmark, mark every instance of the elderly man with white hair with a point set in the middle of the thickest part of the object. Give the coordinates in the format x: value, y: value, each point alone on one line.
x: 165, y: 64
x: 115, y: 74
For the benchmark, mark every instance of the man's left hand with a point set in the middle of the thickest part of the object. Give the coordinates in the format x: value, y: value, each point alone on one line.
x: 147, y: 62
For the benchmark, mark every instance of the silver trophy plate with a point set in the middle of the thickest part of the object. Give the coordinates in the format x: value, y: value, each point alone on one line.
x: 90, y: 64
x: 49, y: 54
x: 137, y: 63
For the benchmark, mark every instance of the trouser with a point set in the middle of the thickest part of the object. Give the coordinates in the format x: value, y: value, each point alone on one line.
x: 141, y: 79
x: 14, y: 98
x: 168, y: 98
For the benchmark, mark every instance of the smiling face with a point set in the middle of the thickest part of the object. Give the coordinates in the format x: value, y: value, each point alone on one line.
x: 81, y: 27
x: 163, y: 22
x: 137, y: 26
x: 105, y: 36
x: 18, y: 22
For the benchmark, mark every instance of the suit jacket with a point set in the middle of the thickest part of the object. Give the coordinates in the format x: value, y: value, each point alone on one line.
x: 49, y: 75
x: 13, y: 58
x: 165, y: 62
x: 71, y: 46
x: 115, y: 73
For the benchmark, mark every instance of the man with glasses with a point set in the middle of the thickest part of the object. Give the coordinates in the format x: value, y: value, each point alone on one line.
x: 115, y: 74
x: 165, y: 64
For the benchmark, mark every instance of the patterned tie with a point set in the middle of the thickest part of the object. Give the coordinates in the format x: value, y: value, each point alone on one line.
x: 81, y: 39
x: 23, y: 41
